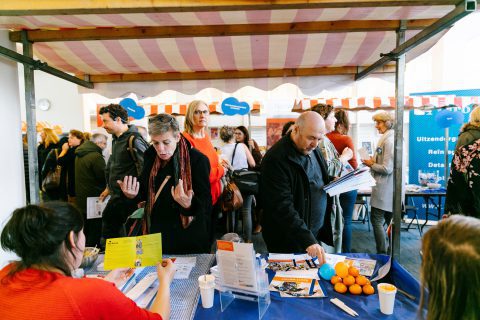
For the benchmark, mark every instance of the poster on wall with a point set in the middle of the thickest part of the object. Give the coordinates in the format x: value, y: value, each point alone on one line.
x: 427, y: 149
x: 274, y: 129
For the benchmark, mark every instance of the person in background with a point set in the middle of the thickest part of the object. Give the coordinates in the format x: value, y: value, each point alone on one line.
x: 50, y: 164
x: 470, y: 131
x: 66, y: 159
x: 49, y: 241
x: 48, y: 142
x: 337, y: 166
x: 240, y: 158
x: 26, y: 169
x: 287, y: 127
x: 293, y: 173
x: 340, y: 139
x: 381, y: 167
x: 242, y: 136
x: 124, y: 161
x: 90, y: 182
x: 196, y: 132
x: 450, y: 269
x: 176, y: 187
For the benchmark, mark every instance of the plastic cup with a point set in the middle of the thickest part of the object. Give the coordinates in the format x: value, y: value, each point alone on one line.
x: 207, y: 289
x: 386, y: 295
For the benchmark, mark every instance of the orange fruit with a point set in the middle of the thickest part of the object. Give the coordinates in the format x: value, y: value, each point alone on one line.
x: 355, y: 289
x: 349, y: 280
x: 368, y: 289
x: 340, y: 287
x: 353, y: 271
x: 361, y: 280
x: 335, y: 279
x: 341, y: 269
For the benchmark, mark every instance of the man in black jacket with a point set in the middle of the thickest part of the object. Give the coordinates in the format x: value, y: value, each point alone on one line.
x: 292, y: 178
x: 124, y: 161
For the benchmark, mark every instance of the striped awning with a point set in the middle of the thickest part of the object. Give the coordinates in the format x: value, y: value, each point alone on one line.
x: 375, y: 103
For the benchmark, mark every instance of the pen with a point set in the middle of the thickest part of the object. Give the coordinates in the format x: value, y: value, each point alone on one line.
x: 344, y: 307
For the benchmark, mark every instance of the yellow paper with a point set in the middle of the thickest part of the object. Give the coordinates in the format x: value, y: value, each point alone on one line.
x: 131, y: 252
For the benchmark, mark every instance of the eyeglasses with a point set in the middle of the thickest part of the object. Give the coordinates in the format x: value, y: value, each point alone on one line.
x: 199, y: 112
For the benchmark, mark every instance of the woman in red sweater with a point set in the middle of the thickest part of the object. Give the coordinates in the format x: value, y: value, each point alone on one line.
x: 196, y: 126
x: 49, y: 240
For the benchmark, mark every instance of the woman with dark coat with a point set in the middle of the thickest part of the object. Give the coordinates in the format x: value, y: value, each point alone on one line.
x: 66, y: 159
x: 176, y: 187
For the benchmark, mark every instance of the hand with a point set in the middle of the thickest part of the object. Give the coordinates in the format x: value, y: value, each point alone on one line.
x: 166, y: 271
x: 182, y: 198
x: 129, y: 186
x: 104, y: 194
x: 368, y: 162
x: 118, y: 274
x: 316, y: 250
x: 224, y: 163
x: 347, y: 154
x: 251, y: 144
x: 65, y: 146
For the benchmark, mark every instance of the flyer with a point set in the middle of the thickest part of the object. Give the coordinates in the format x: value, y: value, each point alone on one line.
x: 291, y: 287
x: 131, y: 252
x: 364, y: 266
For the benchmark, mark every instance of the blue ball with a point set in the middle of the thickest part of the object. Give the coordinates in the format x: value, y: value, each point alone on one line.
x: 326, y: 271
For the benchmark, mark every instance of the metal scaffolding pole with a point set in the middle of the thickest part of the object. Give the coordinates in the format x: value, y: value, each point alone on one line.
x: 398, y: 143
x: 28, y: 74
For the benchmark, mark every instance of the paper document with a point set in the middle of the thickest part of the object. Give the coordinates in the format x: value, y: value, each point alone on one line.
x: 131, y: 252
x: 363, y: 154
x: 236, y: 265
x: 296, y: 287
x: 364, y: 266
x: 360, y: 178
x: 184, y: 267
x: 95, y: 207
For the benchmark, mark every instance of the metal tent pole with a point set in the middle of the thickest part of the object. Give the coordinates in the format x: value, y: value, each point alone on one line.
x: 398, y: 143
x: 28, y: 74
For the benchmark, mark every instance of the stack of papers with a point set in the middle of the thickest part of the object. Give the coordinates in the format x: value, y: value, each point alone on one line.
x: 357, y: 179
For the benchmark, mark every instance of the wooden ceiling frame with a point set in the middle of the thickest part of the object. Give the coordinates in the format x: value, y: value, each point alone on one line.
x: 218, y: 30
x: 72, y: 7
x: 267, y: 73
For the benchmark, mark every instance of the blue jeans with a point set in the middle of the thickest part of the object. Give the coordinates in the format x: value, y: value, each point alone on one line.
x: 347, y: 201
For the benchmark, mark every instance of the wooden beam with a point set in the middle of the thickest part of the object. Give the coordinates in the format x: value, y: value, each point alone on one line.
x: 70, y: 7
x: 218, y: 30
x: 274, y: 73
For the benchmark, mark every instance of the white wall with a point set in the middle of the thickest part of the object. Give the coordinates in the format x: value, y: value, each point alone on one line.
x: 12, y: 186
x: 66, y: 103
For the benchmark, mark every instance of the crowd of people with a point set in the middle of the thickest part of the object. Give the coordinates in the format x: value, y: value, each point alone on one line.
x: 178, y: 179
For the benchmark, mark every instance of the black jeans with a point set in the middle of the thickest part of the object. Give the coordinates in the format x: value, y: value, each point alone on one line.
x: 114, y: 216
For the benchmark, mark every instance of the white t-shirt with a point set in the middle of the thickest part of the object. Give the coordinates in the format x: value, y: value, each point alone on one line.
x: 240, y: 160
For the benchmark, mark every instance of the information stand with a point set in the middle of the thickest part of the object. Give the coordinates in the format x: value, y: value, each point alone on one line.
x: 241, y: 276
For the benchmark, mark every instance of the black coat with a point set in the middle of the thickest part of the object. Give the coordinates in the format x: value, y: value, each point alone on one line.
x: 286, y: 192
x: 165, y: 217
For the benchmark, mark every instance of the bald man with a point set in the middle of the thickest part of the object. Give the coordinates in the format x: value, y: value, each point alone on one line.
x: 295, y: 205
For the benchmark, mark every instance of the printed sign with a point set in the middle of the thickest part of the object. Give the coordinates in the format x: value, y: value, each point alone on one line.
x: 231, y: 106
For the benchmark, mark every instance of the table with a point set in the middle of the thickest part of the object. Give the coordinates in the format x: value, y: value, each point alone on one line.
x: 321, y: 308
x: 428, y: 197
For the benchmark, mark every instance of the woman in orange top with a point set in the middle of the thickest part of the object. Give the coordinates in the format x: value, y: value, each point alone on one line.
x: 196, y: 125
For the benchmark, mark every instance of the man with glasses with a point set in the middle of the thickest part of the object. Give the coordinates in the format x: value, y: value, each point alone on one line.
x: 126, y: 160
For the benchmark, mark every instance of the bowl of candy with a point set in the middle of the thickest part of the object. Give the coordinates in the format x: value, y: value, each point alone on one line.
x: 90, y: 255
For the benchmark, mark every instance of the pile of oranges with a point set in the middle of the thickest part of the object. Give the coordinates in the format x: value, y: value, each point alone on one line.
x: 349, y: 278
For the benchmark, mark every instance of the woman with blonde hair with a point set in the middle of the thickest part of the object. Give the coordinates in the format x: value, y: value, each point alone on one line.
x: 470, y: 131
x: 196, y: 132
x: 48, y: 142
x: 451, y: 269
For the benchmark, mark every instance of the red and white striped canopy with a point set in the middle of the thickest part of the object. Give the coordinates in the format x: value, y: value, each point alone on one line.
x: 373, y: 103
x: 218, y: 53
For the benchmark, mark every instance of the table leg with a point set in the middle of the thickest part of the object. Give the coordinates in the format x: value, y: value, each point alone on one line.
x: 426, y: 199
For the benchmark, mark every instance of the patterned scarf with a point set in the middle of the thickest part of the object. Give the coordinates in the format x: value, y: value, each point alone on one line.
x: 181, y: 170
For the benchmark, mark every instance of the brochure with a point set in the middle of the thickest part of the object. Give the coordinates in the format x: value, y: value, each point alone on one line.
x: 294, y: 287
x: 95, y: 207
x: 131, y: 252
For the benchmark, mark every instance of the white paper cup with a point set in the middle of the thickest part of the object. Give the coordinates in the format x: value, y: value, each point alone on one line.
x: 207, y: 289
x: 386, y: 295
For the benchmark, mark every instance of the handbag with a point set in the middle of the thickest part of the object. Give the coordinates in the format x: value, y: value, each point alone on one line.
x: 246, y: 180
x: 52, y: 179
x: 231, y: 197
